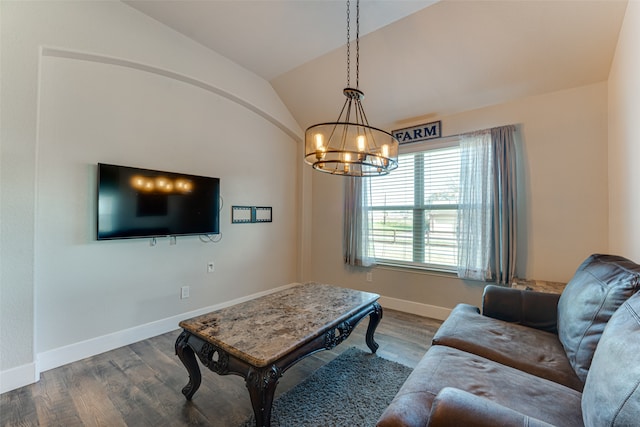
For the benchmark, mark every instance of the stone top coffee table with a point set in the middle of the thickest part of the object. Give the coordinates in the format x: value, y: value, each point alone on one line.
x: 260, y: 339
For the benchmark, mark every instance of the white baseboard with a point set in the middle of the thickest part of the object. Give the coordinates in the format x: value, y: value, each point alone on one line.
x: 425, y: 310
x: 28, y: 374
x: 80, y: 350
x: 17, y: 377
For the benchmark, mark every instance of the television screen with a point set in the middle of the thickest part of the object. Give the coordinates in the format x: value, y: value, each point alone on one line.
x: 135, y: 202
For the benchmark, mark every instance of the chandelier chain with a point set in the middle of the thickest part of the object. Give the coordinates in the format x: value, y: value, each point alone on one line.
x: 357, y: 44
x: 348, y: 44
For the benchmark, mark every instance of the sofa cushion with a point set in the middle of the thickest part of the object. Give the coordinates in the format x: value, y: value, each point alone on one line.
x: 600, y: 285
x: 612, y: 391
x: 528, y: 349
x: 444, y: 366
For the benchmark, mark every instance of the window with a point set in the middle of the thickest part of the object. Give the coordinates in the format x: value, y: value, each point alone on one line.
x: 413, y: 211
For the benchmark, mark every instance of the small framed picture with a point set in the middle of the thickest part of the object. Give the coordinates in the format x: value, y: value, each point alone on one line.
x: 241, y: 214
x: 262, y: 214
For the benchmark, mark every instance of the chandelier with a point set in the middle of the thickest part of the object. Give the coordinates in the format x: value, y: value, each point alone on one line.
x: 350, y: 146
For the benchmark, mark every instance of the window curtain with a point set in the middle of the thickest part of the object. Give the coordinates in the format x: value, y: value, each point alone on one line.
x: 487, y: 211
x: 358, y: 249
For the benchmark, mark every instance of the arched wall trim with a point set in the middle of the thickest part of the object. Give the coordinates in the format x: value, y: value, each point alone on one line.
x: 61, y: 53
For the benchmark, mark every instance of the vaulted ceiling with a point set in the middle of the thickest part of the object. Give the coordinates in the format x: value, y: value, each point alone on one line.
x: 418, y: 58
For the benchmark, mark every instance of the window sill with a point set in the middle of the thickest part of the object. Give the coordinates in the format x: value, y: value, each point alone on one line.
x: 415, y: 269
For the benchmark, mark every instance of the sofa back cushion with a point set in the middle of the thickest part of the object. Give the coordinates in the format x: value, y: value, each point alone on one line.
x: 611, y: 395
x: 600, y: 285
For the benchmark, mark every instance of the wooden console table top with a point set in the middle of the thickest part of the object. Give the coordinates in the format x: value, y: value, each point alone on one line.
x: 263, y: 330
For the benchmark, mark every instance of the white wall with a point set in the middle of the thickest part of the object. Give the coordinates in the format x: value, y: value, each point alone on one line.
x: 624, y: 138
x: 89, y: 82
x: 564, y: 214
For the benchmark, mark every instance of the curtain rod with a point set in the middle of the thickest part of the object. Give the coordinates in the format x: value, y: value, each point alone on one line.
x: 480, y: 130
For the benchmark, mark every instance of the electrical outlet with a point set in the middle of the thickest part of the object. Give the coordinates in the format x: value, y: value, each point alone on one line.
x: 184, y: 292
x: 211, y: 267
x: 369, y: 276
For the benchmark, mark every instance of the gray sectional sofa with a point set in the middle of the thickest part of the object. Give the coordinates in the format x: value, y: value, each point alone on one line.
x: 534, y: 359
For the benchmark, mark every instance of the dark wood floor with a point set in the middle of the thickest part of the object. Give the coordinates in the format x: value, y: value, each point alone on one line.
x: 139, y: 385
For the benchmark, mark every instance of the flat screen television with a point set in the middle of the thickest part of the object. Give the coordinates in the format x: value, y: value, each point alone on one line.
x: 136, y: 203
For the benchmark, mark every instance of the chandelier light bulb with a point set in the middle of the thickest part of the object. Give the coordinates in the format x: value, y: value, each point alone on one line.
x: 320, y: 150
x: 347, y: 161
x: 385, y: 155
x: 361, y: 142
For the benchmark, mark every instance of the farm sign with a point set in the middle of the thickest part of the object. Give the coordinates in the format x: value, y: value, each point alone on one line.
x: 419, y: 133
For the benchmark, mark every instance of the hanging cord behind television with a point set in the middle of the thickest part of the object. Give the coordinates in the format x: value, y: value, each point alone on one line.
x: 213, y: 238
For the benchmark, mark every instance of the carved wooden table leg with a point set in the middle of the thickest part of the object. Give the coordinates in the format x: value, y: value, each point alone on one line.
x: 262, y: 386
x: 374, y: 320
x: 188, y: 359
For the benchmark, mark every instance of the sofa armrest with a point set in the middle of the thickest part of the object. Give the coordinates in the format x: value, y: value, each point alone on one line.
x: 455, y: 407
x: 529, y: 308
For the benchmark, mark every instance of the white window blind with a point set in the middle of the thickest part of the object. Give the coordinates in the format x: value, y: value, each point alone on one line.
x: 414, y: 210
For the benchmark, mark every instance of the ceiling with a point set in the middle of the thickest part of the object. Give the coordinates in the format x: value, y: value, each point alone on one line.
x: 418, y: 58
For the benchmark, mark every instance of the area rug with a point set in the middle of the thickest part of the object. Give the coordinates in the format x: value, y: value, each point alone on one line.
x: 351, y: 390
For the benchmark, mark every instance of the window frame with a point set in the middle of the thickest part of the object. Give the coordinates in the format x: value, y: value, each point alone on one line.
x: 419, y: 208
